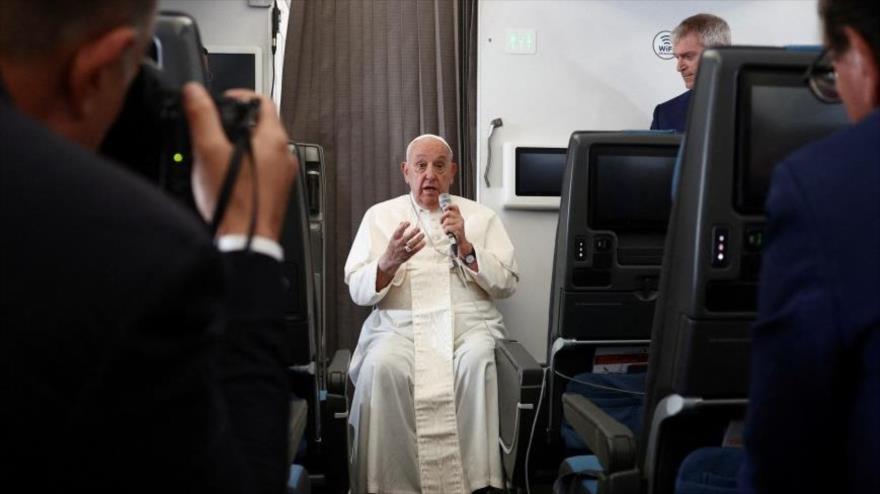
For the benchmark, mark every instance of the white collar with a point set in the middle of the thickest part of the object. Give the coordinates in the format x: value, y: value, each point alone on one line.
x: 419, y: 207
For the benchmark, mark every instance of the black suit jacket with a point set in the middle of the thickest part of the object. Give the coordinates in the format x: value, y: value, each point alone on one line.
x: 672, y: 114
x: 814, y: 400
x: 134, y: 357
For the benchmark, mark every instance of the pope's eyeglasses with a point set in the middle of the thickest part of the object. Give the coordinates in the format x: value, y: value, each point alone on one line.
x: 439, y: 168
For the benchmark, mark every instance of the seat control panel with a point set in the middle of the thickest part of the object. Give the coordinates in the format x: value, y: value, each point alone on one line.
x: 602, y: 245
x: 580, y: 248
x: 720, y: 246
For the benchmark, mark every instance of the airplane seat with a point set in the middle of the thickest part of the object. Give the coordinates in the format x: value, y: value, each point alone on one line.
x: 309, y: 367
x: 750, y: 108
x: 336, y: 439
x: 621, y: 396
x: 609, y: 244
x: 520, y: 386
x: 520, y: 380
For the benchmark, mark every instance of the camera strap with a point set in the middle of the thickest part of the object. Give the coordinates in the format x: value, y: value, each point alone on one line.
x: 241, y: 146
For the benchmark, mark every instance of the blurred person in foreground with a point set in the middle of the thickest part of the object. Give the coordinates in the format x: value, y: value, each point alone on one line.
x: 137, y: 354
x: 813, y: 422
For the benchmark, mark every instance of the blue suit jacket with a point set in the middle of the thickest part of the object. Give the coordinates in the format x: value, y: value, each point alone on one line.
x: 672, y: 114
x: 814, y: 408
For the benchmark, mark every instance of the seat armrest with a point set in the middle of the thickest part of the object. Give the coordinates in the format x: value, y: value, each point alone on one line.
x: 517, y: 355
x: 612, y: 442
x: 334, y: 420
x: 337, y: 372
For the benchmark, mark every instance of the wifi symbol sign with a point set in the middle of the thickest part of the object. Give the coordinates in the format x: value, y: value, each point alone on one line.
x: 663, y: 45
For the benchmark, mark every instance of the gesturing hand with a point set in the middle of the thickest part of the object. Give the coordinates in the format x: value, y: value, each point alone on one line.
x: 401, y: 247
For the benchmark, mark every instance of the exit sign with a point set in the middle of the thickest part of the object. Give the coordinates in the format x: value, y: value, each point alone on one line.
x: 521, y: 41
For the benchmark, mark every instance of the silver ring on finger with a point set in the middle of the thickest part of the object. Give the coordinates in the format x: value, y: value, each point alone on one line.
x: 407, y: 249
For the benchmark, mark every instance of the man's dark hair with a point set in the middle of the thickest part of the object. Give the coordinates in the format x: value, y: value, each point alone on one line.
x: 34, y: 28
x: 861, y: 15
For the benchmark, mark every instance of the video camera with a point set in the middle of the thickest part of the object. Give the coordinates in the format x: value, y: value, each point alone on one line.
x: 151, y: 135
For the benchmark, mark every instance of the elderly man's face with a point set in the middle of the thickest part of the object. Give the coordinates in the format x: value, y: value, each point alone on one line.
x: 687, y: 53
x: 429, y: 172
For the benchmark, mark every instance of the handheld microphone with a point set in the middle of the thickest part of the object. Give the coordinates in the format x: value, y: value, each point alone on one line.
x: 445, y: 200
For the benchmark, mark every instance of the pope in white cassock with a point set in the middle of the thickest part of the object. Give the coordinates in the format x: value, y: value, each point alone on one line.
x: 424, y: 417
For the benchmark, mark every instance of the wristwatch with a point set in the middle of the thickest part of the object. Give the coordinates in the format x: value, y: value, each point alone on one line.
x: 471, y: 258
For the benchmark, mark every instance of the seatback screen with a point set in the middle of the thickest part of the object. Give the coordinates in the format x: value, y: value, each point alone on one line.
x: 232, y: 70
x: 777, y: 114
x: 539, y: 171
x: 631, y: 187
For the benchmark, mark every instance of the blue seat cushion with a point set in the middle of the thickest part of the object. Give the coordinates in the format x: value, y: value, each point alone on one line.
x: 626, y: 406
x: 298, y: 481
x: 577, y: 475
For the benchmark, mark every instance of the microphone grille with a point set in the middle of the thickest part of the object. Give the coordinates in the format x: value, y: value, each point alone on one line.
x: 445, y: 200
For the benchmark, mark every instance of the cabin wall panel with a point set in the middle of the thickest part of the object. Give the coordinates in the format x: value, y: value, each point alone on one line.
x: 231, y: 22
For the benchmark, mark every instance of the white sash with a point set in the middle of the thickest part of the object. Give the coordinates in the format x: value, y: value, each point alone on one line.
x: 440, y: 468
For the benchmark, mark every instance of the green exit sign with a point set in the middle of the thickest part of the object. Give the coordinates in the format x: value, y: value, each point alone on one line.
x: 521, y: 41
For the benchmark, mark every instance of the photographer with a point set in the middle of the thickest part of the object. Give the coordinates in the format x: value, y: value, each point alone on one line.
x: 135, y: 356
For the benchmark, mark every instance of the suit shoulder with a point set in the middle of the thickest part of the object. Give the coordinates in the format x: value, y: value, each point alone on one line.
x: 65, y: 187
x: 836, y: 182
x: 676, y: 101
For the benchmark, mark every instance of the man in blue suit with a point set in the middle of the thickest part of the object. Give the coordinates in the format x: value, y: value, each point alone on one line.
x: 689, y: 39
x: 813, y: 423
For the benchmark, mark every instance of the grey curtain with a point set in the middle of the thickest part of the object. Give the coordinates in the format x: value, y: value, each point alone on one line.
x: 361, y: 79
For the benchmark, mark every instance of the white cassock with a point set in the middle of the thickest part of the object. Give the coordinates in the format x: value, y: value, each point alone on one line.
x: 424, y: 418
